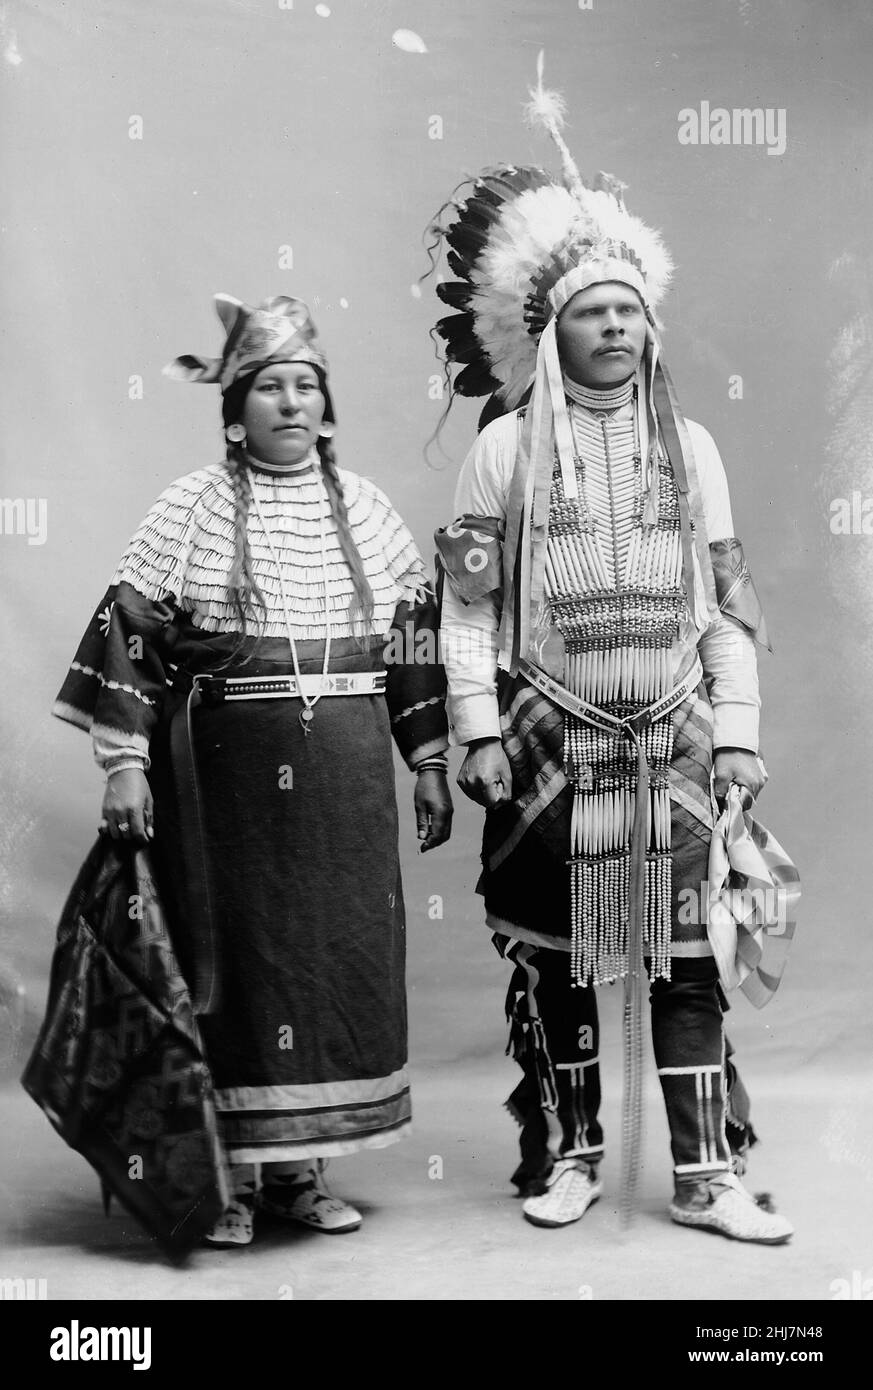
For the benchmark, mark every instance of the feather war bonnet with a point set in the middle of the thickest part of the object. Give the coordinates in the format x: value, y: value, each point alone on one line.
x: 522, y: 243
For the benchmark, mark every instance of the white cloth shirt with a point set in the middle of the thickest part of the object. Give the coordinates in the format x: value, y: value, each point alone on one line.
x: 469, y: 631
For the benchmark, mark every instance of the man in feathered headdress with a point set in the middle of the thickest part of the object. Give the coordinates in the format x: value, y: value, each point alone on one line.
x: 598, y: 634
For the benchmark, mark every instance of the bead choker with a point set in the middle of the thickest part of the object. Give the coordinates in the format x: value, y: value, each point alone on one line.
x: 311, y: 460
x: 611, y: 399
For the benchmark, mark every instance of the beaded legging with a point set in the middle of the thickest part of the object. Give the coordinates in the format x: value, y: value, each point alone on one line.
x: 555, y: 1038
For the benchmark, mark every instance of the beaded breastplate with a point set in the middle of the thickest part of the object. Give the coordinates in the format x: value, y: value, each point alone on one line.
x: 614, y: 587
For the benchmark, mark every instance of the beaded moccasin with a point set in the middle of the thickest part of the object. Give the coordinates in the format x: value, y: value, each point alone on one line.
x: 570, y: 1190
x: 732, y: 1211
x: 235, y: 1226
x: 310, y: 1202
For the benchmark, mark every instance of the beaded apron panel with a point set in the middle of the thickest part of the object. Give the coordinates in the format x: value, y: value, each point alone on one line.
x: 619, y: 622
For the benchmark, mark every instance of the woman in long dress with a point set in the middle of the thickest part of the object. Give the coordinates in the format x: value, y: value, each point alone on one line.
x: 264, y: 636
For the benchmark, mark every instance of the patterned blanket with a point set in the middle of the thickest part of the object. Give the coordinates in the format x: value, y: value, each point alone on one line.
x: 118, y: 1066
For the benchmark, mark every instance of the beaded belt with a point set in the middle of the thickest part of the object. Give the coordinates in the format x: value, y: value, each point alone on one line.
x: 632, y: 726
x: 215, y: 689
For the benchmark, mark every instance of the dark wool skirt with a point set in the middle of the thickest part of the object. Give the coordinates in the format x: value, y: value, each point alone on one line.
x: 308, y: 1044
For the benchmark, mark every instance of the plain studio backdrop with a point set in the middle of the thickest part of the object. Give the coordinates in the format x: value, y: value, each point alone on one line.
x: 154, y: 154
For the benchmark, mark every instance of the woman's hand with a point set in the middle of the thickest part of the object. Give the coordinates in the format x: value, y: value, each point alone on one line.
x: 485, y: 775
x: 737, y: 765
x: 128, y: 807
x: 433, y: 808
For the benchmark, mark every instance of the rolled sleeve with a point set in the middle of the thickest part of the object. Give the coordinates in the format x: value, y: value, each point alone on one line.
x: 468, y: 646
x: 730, y: 672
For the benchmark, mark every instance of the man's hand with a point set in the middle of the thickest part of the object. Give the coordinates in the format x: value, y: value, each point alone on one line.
x: 433, y: 808
x: 485, y: 775
x: 128, y: 807
x: 737, y: 765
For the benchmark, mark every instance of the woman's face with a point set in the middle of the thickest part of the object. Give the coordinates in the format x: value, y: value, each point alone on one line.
x: 283, y: 412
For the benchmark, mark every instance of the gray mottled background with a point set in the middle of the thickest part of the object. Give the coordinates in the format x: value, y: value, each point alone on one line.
x: 266, y: 126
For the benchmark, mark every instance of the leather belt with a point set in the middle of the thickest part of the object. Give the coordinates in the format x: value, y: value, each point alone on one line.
x: 216, y: 689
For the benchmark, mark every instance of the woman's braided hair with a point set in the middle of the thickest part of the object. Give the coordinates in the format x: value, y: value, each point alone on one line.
x: 241, y: 583
x: 362, y: 612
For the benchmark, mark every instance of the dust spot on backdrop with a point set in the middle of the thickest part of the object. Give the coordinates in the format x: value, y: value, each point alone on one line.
x: 408, y: 41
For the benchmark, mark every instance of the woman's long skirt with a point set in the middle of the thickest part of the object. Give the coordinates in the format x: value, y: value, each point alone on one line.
x: 307, y: 1046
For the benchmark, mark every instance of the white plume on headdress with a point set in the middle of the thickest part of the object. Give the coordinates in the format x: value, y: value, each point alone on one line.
x: 545, y: 108
x: 548, y: 109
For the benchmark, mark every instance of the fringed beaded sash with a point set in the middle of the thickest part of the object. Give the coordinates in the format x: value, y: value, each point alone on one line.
x: 649, y: 728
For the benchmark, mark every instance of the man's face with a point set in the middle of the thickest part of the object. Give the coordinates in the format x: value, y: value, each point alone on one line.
x: 601, y: 335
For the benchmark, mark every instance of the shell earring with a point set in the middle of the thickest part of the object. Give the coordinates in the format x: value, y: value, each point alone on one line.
x: 326, y: 432
x: 236, y: 434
